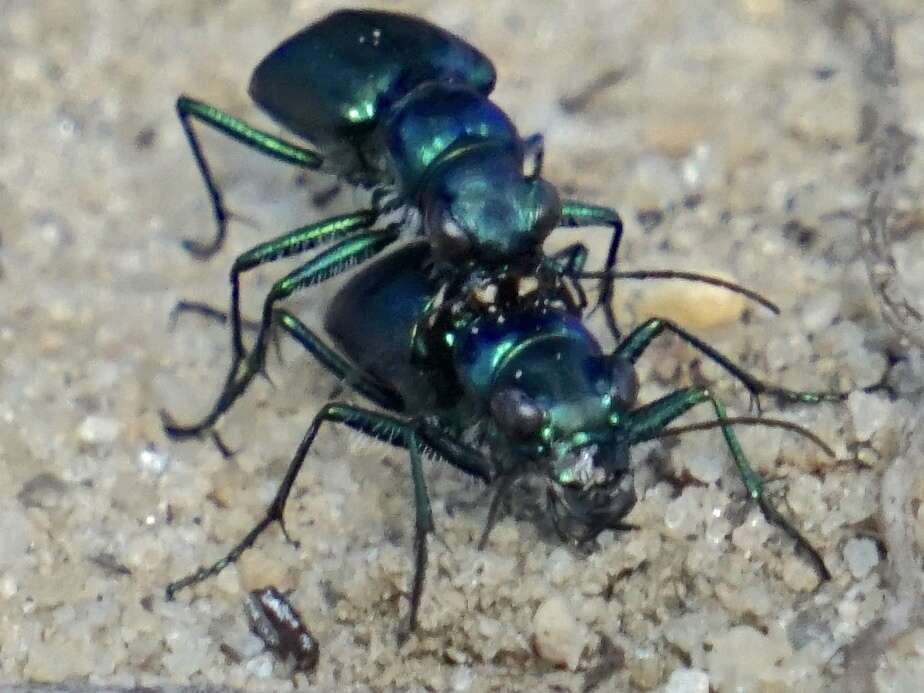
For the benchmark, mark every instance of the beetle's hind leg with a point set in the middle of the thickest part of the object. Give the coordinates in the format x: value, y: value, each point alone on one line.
x: 355, y: 248
x: 378, y: 393
x: 189, y: 109
x: 642, y: 336
x: 648, y: 421
x: 204, y: 310
x: 377, y: 425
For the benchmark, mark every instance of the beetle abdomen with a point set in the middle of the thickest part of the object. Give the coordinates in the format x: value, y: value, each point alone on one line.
x: 332, y: 81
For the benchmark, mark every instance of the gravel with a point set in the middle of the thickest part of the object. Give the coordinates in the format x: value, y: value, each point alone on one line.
x: 727, y: 133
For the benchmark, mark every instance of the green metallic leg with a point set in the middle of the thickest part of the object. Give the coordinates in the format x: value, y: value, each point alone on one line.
x: 645, y: 423
x: 189, y: 109
x: 534, y: 151
x: 575, y: 213
x: 571, y: 259
x: 634, y: 344
x: 335, y: 260
x: 569, y: 262
x: 372, y: 389
x: 377, y: 425
x: 291, y: 243
x: 423, y: 525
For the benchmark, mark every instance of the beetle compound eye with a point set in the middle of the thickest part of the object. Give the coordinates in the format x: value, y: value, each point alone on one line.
x: 623, y: 383
x: 518, y: 415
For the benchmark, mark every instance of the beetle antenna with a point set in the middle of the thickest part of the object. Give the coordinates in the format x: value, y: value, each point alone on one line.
x: 747, y: 421
x: 688, y: 276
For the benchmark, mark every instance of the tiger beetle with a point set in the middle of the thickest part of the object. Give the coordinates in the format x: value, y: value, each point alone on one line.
x: 505, y: 386
x: 397, y: 105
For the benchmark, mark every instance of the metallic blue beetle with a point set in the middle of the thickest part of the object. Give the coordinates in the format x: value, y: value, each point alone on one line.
x: 396, y: 104
x: 503, y: 388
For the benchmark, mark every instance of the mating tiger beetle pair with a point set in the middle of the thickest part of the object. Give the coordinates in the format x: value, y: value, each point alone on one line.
x: 468, y: 342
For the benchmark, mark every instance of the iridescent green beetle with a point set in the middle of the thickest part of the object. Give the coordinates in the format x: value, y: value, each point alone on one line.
x: 502, y: 391
x: 396, y: 104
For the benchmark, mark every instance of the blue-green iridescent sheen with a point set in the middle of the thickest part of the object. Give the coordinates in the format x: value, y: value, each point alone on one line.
x: 373, y: 317
x: 484, y: 189
x: 392, y: 100
x: 332, y: 81
x: 436, y: 116
x: 547, y: 354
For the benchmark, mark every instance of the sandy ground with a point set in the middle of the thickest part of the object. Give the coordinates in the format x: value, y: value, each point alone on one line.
x: 728, y: 136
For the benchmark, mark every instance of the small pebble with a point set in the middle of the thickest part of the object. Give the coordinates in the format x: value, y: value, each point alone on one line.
x: 742, y: 657
x: 861, y: 556
x: 693, y: 305
x: 152, y: 460
x: 687, y: 681
x: 96, y: 430
x: 558, y: 636
x: 799, y: 575
x: 870, y: 413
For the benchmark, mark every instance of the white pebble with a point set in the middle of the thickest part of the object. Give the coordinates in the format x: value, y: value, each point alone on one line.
x: 98, y: 429
x: 706, y: 468
x: 559, y: 637
x: 861, y: 556
x: 687, y: 681
x: 742, y: 656
x: 820, y: 309
x: 462, y: 679
x: 152, y: 460
x: 8, y: 586
x: 261, y: 666
x: 870, y: 413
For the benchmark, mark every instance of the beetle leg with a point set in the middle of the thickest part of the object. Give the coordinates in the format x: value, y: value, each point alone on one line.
x: 575, y: 213
x: 333, y: 261
x: 410, y: 435
x: 292, y: 243
x: 377, y: 392
x: 569, y: 261
x: 634, y: 344
x: 646, y: 422
x: 189, y: 109
x: 504, y: 485
x: 534, y: 151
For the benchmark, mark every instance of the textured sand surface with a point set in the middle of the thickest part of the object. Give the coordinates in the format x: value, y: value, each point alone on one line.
x: 727, y: 133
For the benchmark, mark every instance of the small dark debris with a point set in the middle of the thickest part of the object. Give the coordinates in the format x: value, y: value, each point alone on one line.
x: 322, y: 198
x: 693, y: 200
x: 612, y: 659
x: 42, y: 491
x: 804, y: 235
x: 579, y: 101
x: 145, y: 138
x: 273, y: 619
x: 232, y: 655
x: 110, y: 564
x: 825, y: 72
x: 650, y: 218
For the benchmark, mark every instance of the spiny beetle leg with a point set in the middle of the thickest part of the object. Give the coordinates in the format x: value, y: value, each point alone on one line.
x: 641, y: 337
x: 189, y: 109
x: 345, y: 254
x: 575, y: 213
x: 647, y: 421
